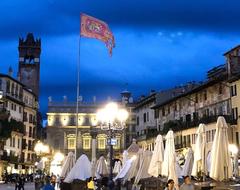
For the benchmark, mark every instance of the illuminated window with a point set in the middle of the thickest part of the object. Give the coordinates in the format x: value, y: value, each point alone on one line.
x: 71, y: 143
x: 117, y: 146
x: 86, y: 143
x: 101, y: 143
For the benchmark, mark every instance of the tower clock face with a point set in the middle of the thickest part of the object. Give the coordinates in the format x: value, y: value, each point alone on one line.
x: 27, y: 74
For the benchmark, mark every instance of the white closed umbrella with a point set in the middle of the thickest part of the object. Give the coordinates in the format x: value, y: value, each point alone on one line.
x: 188, y: 164
x: 125, y: 156
x: 117, y: 167
x: 143, y: 167
x: 134, y: 166
x: 68, y: 164
x: 155, y: 167
x: 221, y: 167
x: 169, y: 162
x: 81, y: 170
x: 199, y: 164
x: 125, y: 169
x: 102, y: 168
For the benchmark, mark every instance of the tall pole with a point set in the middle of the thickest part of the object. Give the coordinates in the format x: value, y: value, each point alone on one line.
x: 77, y: 103
x: 110, y: 181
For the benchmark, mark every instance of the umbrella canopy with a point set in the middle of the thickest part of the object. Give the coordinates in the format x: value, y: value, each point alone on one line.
x: 169, y: 162
x: 199, y: 164
x: 125, y: 156
x: 102, y: 168
x: 188, y: 165
x: 81, y: 170
x: 155, y: 167
x: 133, y: 148
x: 117, y: 167
x: 143, y: 167
x: 134, y: 166
x: 68, y: 164
x: 125, y: 169
x: 221, y: 167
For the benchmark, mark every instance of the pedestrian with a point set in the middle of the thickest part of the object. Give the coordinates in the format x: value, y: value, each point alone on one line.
x: 17, y: 183
x: 187, y: 185
x: 21, y: 183
x: 90, y: 184
x: 170, y: 185
x: 48, y: 186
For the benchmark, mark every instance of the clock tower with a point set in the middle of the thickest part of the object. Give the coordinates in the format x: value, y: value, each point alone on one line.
x: 29, y: 62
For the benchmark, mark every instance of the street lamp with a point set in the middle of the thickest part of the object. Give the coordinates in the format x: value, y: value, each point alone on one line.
x: 111, y: 118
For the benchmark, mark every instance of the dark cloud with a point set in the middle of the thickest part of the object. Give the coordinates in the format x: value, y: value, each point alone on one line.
x: 160, y: 44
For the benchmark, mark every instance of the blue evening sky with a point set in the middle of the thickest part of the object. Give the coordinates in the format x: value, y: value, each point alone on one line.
x: 159, y: 43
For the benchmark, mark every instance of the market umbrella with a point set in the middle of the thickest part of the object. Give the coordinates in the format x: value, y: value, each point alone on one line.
x: 143, y: 167
x: 155, y: 167
x: 125, y: 156
x: 117, y: 167
x: 68, y: 164
x: 188, y: 164
x: 169, y: 162
x: 102, y: 168
x: 81, y: 170
x: 221, y: 167
x: 134, y: 166
x: 199, y: 164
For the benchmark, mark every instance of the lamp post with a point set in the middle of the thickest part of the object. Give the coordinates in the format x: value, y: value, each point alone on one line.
x: 41, y: 149
x: 111, y: 119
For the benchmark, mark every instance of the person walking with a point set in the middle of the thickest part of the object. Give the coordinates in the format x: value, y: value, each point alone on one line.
x: 48, y: 186
x: 170, y: 185
x: 187, y: 185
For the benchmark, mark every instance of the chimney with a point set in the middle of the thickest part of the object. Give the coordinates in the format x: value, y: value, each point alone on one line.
x: 10, y: 71
x: 94, y: 99
x: 65, y: 98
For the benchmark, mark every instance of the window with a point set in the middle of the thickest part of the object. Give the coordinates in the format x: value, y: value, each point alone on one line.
x: 30, y: 118
x: 101, y: 143
x: 234, y: 90
x: 205, y: 95
x: 163, y: 111
x: 156, y: 114
x: 0, y: 84
x: 13, y: 141
x: 168, y: 109
x: 144, y: 117
x: 18, y: 143
x: 71, y: 143
x: 235, y: 113
x: 147, y: 116
x: 20, y: 109
x: 196, y: 98
x: 137, y: 120
x: 117, y: 146
x: 25, y: 116
x: 220, y: 89
x: 30, y: 131
x: 87, y: 143
x: 237, y: 138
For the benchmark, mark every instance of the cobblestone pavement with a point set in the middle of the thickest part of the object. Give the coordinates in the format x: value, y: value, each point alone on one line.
x: 28, y: 186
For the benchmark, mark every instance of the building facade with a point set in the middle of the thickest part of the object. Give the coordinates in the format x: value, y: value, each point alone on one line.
x: 16, y: 122
x: 61, y: 128
x: 202, y: 103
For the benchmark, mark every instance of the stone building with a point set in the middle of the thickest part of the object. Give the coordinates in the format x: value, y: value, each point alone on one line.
x: 182, y: 109
x: 19, y: 109
x: 19, y: 104
x: 61, y: 127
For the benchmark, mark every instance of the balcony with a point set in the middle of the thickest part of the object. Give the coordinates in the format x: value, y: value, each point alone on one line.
x: 149, y: 133
x: 178, y: 125
x: 4, y: 114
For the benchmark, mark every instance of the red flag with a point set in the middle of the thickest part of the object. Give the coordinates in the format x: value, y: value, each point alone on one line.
x: 95, y: 28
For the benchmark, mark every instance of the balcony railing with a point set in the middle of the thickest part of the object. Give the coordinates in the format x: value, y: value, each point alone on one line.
x: 178, y: 125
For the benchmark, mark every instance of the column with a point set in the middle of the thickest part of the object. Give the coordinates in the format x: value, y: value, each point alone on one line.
x: 94, y: 144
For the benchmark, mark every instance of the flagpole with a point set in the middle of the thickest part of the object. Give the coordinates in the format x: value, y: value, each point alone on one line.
x: 77, y: 99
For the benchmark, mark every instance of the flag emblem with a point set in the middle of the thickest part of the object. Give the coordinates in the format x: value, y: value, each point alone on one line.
x: 95, y: 28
